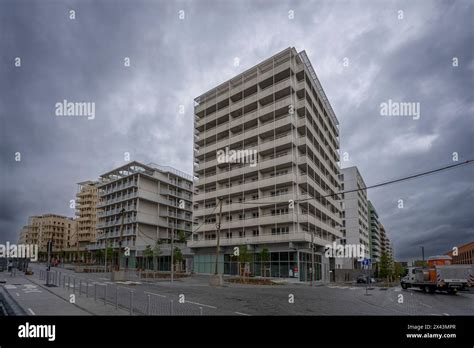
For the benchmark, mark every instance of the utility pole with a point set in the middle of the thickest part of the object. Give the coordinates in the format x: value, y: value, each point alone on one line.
x: 122, y: 212
x: 172, y: 254
x: 218, y: 236
x: 312, y: 258
x: 105, y: 253
x: 50, y: 247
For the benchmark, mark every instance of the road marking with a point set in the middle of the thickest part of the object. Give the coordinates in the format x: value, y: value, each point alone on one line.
x: 242, y: 314
x: 426, y: 305
x: 10, y: 286
x: 200, y: 304
x: 17, y: 294
x: 397, y: 289
x: 31, y: 311
x: 446, y: 314
x: 353, y: 288
x: 151, y: 293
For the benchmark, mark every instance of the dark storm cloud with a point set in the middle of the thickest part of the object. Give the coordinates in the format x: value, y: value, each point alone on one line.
x: 173, y: 61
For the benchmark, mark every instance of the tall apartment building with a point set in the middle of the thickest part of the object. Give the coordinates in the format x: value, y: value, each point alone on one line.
x: 157, y: 202
x: 374, y: 233
x: 277, y: 119
x: 355, y: 228
x: 86, y: 216
x: 51, y: 227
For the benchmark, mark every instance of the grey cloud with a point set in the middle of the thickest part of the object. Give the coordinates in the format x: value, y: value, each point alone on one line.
x: 173, y: 61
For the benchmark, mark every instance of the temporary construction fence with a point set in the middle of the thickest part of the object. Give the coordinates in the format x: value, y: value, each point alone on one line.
x: 135, y: 302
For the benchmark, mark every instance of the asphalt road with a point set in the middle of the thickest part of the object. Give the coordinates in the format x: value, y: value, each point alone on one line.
x: 193, y: 296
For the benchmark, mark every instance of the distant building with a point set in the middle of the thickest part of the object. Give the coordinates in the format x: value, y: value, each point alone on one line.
x: 386, y: 245
x: 355, y: 222
x: 465, y: 254
x: 24, y: 235
x: 374, y: 233
x: 51, y: 227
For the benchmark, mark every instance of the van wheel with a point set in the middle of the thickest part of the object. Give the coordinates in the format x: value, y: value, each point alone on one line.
x: 404, y: 286
x: 452, y: 291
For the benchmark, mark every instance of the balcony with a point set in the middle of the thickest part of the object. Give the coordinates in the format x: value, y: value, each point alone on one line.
x: 263, y: 239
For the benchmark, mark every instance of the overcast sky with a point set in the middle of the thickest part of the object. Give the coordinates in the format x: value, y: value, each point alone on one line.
x: 173, y: 60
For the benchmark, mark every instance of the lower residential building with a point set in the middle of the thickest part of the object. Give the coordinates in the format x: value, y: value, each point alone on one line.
x: 464, y: 254
x: 149, y: 205
x: 58, y: 229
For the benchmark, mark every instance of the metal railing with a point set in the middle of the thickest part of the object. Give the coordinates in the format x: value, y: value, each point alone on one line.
x: 130, y: 300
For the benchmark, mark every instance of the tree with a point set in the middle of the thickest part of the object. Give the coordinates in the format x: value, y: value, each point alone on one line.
x: 157, y: 253
x: 177, y: 256
x: 147, y: 253
x: 263, y: 257
x: 386, y: 269
x: 181, y: 237
x: 398, y: 270
x: 420, y: 263
x: 244, y: 257
x: 99, y: 254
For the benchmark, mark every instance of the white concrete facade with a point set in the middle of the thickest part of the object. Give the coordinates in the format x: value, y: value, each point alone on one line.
x: 278, y: 111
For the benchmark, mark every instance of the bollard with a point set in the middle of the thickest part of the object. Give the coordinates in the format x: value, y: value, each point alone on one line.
x: 131, y: 302
x: 171, y: 307
x: 116, y: 298
x: 148, y: 306
x: 200, y: 310
x: 105, y: 295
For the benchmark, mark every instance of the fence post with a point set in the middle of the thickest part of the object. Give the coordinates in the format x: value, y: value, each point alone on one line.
x: 59, y: 279
x: 116, y: 298
x: 148, y: 306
